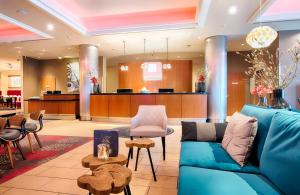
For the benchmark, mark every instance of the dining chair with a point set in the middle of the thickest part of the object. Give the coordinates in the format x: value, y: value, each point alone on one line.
x: 12, y: 131
x: 150, y: 121
x: 35, y: 126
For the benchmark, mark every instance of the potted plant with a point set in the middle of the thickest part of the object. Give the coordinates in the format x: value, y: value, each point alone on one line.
x: 200, y: 86
x: 265, y: 70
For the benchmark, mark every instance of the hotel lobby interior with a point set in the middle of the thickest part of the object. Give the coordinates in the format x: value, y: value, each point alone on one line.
x: 186, y: 97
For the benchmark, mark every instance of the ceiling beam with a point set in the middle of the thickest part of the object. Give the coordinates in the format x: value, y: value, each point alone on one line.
x: 202, y: 12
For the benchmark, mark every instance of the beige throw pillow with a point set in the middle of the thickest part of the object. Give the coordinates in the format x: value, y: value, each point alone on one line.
x: 239, y: 136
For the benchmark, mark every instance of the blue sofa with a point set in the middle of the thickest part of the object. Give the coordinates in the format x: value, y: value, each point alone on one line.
x: 273, y: 168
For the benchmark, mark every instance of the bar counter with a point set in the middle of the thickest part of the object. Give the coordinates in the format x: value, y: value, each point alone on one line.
x: 178, y: 105
x: 56, y: 104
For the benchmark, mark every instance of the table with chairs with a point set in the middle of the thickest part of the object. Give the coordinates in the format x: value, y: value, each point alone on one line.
x: 15, y: 128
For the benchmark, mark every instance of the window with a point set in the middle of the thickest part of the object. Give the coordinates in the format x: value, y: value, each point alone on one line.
x: 14, y: 81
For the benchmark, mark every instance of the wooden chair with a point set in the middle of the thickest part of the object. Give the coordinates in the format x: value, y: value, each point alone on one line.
x: 12, y: 131
x: 35, y: 127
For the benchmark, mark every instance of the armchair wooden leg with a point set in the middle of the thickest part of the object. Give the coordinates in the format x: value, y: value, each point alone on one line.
x: 37, y: 139
x: 163, y: 141
x: 30, y: 142
x: 9, y: 153
x: 20, y: 149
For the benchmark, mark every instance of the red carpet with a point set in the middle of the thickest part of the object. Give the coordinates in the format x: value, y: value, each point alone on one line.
x: 53, y: 146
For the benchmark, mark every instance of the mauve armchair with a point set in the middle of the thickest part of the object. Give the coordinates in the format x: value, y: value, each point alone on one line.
x: 150, y: 121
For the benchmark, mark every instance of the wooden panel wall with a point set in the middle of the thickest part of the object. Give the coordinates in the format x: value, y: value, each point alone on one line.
x: 178, y: 77
x: 237, y: 86
x: 177, y: 105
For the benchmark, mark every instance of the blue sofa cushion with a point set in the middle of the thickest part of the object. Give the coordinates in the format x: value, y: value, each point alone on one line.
x: 210, y: 155
x: 193, y: 180
x: 280, y: 159
x: 264, y: 117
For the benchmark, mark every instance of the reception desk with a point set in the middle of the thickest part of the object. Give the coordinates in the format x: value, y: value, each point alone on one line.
x: 56, y: 105
x: 178, y: 105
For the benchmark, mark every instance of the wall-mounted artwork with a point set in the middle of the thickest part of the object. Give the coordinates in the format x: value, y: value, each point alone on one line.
x: 73, y: 76
x: 14, y: 81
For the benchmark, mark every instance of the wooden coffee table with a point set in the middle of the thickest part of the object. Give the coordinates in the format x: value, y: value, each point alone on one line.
x: 140, y: 143
x: 93, y: 162
x: 106, y: 179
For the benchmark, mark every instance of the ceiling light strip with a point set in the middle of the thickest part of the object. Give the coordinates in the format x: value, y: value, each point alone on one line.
x: 24, y: 26
x: 202, y: 12
x: 43, y: 5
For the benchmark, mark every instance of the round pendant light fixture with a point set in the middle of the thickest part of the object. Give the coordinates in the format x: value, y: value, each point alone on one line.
x: 124, y: 67
x: 144, y: 65
x: 167, y: 65
x: 262, y: 36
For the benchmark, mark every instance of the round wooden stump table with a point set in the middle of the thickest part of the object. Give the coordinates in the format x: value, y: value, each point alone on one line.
x: 93, y: 162
x: 140, y: 143
x: 106, y: 179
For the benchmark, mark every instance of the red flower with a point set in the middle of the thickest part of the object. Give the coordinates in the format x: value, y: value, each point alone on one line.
x: 201, y: 78
x: 94, y: 80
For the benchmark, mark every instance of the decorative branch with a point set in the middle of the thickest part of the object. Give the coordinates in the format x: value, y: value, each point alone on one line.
x: 265, y: 68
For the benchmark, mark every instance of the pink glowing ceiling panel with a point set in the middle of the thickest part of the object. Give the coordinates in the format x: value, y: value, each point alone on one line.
x: 158, y: 17
x: 101, y: 15
x: 282, y: 10
x: 11, y: 32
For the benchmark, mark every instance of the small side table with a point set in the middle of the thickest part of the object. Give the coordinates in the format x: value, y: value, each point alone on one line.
x: 140, y: 143
x: 93, y: 162
x: 106, y: 179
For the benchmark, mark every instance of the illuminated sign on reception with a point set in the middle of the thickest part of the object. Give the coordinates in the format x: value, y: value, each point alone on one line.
x: 152, y: 71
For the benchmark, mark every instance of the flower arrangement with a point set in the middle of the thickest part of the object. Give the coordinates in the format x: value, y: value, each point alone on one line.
x: 94, y: 80
x: 202, y: 75
x: 261, y: 91
x: 265, y: 67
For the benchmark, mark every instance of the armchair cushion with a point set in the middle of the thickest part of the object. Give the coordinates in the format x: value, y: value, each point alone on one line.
x: 211, y: 155
x: 148, y: 131
x: 9, y: 134
x: 31, y: 127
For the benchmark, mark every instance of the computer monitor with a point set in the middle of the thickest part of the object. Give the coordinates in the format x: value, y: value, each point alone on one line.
x: 56, y: 92
x: 165, y: 90
x: 124, y: 90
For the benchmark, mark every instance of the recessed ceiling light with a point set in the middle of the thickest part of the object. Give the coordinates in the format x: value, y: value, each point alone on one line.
x: 232, y: 10
x: 19, y: 51
x: 22, y: 12
x: 50, y: 27
x: 43, y: 50
x: 59, y: 57
x: 39, y: 57
x: 18, y: 47
x: 242, y: 44
x: 178, y: 56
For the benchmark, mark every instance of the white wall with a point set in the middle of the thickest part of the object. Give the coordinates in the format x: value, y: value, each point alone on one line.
x: 288, y: 39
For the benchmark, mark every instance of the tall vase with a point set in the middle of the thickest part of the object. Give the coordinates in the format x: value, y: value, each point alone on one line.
x: 200, y: 87
x: 278, y: 101
x: 262, y: 101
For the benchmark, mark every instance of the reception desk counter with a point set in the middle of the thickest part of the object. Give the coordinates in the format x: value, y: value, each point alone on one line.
x: 56, y: 104
x: 178, y: 105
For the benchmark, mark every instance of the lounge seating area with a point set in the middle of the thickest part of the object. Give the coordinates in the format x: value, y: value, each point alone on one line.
x: 206, y: 168
x: 159, y: 97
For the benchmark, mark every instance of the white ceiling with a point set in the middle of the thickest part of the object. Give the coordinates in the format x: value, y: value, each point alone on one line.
x: 66, y: 39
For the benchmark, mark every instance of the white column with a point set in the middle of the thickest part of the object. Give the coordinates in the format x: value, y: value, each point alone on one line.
x: 216, y: 64
x: 88, y: 56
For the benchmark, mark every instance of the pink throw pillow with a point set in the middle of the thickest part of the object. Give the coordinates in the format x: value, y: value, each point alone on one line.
x: 239, y: 136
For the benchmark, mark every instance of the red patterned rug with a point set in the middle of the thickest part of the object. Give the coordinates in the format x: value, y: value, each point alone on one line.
x: 53, y: 146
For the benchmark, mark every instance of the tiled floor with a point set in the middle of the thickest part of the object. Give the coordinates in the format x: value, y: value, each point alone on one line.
x: 59, y: 176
